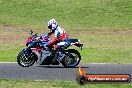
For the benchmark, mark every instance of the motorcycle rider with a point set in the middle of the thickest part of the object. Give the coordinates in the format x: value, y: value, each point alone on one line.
x: 58, y: 38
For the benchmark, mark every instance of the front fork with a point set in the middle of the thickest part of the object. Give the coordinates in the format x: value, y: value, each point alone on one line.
x: 27, y: 53
x: 35, y: 51
x: 38, y: 53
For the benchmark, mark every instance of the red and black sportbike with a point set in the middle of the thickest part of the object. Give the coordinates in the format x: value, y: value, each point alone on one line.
x: 43, y: 56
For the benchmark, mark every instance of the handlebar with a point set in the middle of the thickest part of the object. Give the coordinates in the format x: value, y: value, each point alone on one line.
x: 31, y: 32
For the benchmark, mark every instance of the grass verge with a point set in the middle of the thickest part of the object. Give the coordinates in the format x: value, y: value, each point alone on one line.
x: 6, y: 83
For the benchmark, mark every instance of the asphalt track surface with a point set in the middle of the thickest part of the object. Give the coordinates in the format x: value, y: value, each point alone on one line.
x: 37, y: 72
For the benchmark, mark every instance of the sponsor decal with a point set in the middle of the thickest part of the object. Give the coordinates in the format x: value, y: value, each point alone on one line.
x: 82, y: 77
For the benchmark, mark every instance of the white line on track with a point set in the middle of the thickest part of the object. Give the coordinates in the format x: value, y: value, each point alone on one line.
x: 101, y: 63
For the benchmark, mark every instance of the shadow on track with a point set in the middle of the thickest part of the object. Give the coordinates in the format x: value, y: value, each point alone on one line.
x: 58, y: 66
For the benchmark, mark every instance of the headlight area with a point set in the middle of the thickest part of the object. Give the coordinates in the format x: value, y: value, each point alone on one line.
x: 30, y: 44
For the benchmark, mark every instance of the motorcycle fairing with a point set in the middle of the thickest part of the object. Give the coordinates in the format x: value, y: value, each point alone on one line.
x: 42, y: 55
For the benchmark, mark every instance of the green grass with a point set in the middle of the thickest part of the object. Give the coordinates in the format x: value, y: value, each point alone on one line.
x: 4, y: 83
x: 107, y: 48
x: 99, y: 46
x: 99, y: 55
x: 103, y: 26
x: 71, y: 14
x: 9, y: 53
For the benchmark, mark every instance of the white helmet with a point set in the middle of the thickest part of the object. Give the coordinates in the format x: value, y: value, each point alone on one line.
x: 52, y: 24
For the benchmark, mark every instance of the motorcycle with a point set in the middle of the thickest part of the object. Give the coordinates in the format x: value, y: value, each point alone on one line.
x: 43, y: 56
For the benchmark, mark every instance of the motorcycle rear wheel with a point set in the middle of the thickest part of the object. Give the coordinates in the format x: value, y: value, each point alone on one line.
x: 74, y: 57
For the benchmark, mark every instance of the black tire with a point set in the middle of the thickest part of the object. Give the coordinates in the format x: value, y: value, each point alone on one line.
x: 22, y: 63
x: 70, y: 51
x: 81, y: 80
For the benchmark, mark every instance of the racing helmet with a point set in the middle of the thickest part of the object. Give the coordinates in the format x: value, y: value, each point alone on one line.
x: 52, y: 24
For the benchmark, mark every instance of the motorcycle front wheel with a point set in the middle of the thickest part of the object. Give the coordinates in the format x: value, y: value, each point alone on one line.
x: 25, y: 59
x: 71, y: 59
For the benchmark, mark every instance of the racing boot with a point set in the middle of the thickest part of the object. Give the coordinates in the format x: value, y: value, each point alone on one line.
x: 54, y: 60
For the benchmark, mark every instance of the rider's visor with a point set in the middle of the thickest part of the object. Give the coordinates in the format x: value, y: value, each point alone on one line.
x: 50, y: 26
